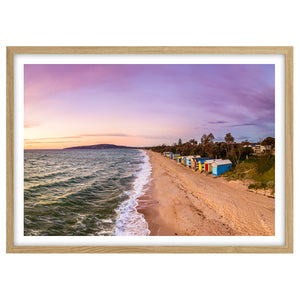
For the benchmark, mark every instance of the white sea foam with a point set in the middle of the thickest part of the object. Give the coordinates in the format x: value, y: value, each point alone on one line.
x: 130, y: 221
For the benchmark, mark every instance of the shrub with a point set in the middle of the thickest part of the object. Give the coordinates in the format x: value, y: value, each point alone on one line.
x: 271, y: 184
x: 251, y: 186
x: 257, y: 185
x: 265, y: 163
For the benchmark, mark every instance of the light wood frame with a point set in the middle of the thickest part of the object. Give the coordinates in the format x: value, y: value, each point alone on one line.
x: 286, y: 51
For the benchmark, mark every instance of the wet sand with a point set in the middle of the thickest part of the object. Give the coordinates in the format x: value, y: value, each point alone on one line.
x: 183, y: 202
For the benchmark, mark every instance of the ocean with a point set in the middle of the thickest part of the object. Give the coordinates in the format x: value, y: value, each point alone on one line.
x: 84, y: 192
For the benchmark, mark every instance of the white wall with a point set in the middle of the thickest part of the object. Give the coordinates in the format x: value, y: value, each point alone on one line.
x: 132, y: 23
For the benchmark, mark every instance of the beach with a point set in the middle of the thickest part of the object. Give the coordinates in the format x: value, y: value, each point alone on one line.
x: 180, y: 201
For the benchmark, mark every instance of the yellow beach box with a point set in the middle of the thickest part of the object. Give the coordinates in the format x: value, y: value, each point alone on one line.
x: 175, y: 156
x: 201, y: 166
x: 201, y: 163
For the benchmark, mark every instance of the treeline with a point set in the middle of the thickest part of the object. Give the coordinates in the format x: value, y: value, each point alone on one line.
x: 207, y: 147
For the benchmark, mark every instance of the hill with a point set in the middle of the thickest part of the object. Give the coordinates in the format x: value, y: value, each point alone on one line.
x: 100, y: 146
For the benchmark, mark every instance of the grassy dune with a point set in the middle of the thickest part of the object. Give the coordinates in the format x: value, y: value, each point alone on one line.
x: 259, y: 170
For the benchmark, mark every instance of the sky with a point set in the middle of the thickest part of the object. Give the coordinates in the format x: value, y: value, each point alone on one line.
x: 146, y: 104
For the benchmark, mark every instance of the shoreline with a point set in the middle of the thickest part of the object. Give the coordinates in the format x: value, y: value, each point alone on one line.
x: 178, y: 201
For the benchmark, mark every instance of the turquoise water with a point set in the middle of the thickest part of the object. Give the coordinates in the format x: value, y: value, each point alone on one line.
x: 84, y: 192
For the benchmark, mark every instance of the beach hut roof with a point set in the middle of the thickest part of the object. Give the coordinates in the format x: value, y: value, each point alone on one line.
x: 222, y: 162
x: 198, y: 158
x: 209, y: 161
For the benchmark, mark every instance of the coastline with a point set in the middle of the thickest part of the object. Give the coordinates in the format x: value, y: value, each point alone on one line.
x: 179, y: 201
x: 130, y: 221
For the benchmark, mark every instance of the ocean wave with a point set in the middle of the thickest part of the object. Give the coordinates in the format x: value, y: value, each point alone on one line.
x: 47, y: 176
x: 130, y: 221
x: 62, y: 183
x: 85, y: 194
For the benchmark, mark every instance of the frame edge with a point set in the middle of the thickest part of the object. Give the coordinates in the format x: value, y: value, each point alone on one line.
x: 9, y: 149
x: 285, y: 50
x: 289, y: 148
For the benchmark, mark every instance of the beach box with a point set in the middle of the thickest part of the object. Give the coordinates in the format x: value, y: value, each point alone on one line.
x: 195, y: 162
x: 201, y: 163
x: 219, y: 167
x: 207, y: 165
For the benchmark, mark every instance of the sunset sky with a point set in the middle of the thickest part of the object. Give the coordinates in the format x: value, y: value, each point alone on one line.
x: 146, y: 105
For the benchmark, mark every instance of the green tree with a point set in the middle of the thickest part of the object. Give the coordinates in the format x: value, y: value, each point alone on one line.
x: 246, y: 152
x: 186, y: 149
x: 205, y: 139
x: 237, y: 152
x: 269, y: 143
x: 193, y: 142
x: 229, y: 139
x: 207, y: 142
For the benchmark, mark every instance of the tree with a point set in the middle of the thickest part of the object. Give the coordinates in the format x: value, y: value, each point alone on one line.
x: 246, y: 152
x: 179, y: 142
x: 223, y: 149
x: 207, y: 144
x: 229, y: 139
x: 237, y: 152
x: 211, y: 138
x: 246, y: 142
x: 205, y: 139
x: 269, y: 142
x: 186, y: 149
x: 215, y: 150
x: 193, y: 142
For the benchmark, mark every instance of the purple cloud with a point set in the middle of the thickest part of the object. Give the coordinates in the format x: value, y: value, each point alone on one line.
x: 154, y: 102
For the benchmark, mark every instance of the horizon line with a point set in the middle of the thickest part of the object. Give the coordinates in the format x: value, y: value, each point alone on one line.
x: 74, y: 147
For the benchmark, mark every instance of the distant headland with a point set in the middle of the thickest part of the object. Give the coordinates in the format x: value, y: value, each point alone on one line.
x: 100, y: 146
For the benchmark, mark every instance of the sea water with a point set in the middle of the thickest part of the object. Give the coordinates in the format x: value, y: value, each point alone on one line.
x: 84, y: 192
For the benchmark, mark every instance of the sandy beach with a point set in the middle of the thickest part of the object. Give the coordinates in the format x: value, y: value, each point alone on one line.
x: 183, y: 202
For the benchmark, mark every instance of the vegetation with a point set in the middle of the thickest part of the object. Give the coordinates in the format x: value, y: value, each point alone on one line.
x: 269, y: 143
x: 208, y: 148
x: 258, y: 168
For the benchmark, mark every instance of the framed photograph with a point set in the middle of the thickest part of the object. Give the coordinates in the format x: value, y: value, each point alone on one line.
x: 149, y: 149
